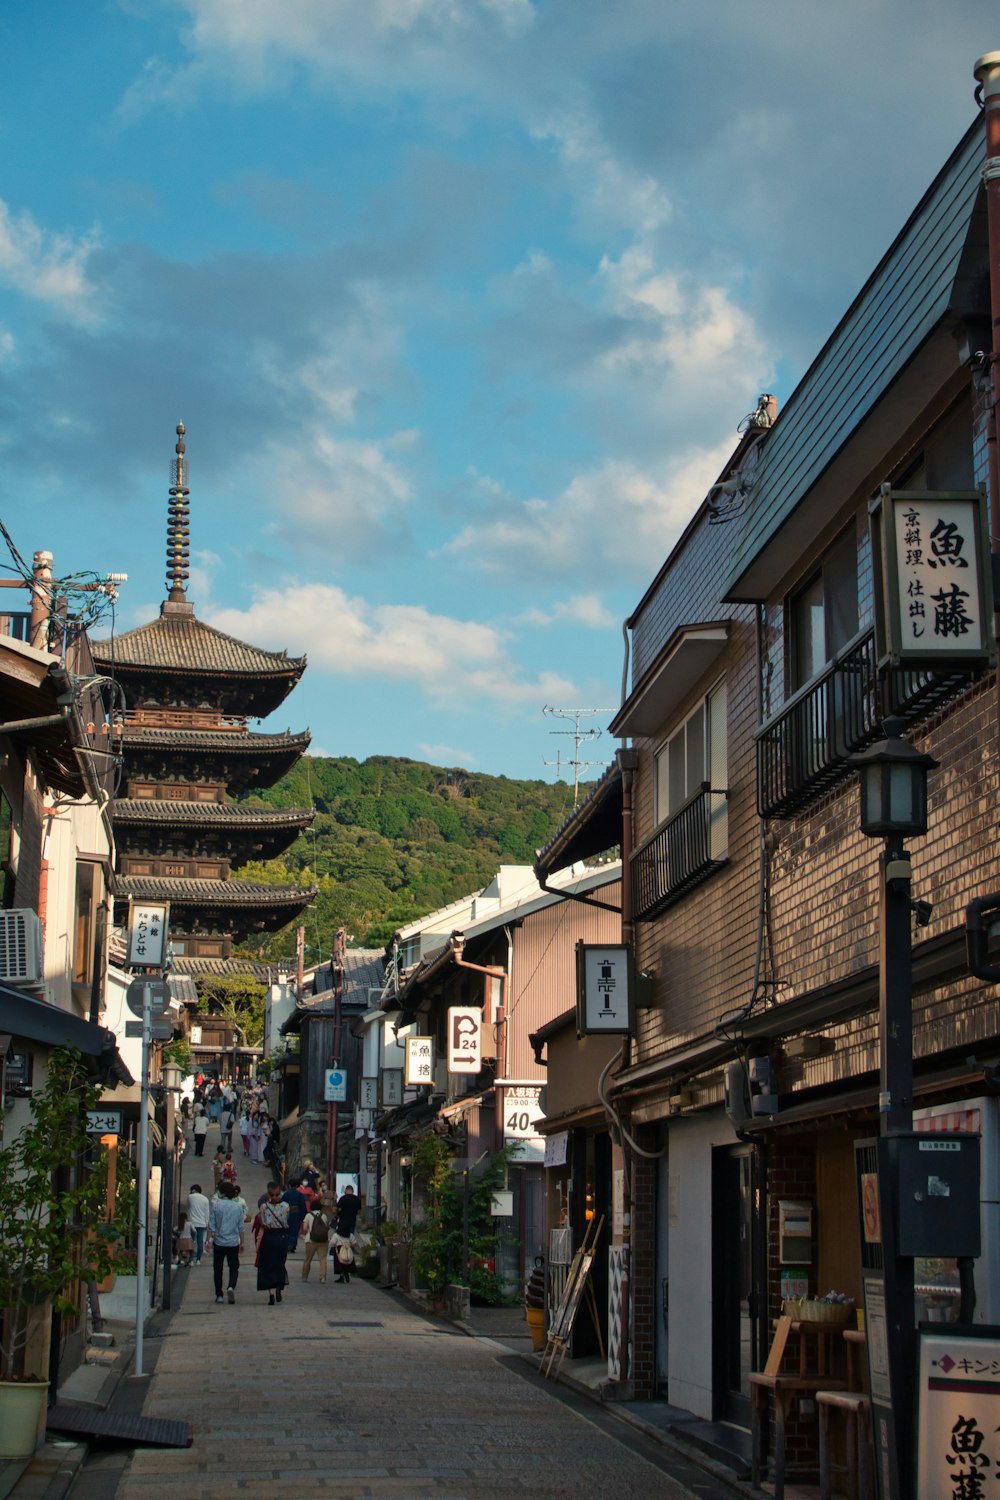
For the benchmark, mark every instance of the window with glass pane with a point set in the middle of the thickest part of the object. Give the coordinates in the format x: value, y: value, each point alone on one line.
x: 693, y: 754
x: 824, y: 614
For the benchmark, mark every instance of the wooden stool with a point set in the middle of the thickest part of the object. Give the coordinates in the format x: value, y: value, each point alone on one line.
x: 857, y: 1410
x: 786, y: 1390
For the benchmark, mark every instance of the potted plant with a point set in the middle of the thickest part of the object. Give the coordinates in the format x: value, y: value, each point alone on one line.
x: 53, y: 1231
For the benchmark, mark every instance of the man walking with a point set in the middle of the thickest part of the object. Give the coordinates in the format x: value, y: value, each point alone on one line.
x: 226, y: 1220
x: 198, y: 1208
x: 200, y: 1130
x: 297, y: 1207
x: 317, y: 1228
x: 226, y: 1119
x: 348, y: 1207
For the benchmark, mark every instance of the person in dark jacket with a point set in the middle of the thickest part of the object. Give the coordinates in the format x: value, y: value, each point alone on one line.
x: 298, y: 1207
x: 348, y: 1207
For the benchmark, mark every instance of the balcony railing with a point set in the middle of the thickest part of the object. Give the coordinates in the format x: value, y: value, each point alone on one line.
x: 804, y: 749
x: 681, y: 853
x: 15, y: 625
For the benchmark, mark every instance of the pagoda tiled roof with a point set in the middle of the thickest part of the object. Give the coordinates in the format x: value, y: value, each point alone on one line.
x: 231, y: 741
x: 180, y: 642
x: 223, y: 814
x: 221, y: 893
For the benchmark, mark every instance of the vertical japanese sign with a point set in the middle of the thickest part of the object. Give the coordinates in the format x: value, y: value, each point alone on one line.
x: 958, y: 1442
x: 147, y: 934
x: 934, y: 596
x: 390, y: 1087
x: 419, y: 1060
x: 464, y: 1050
x: 604, y: 991
x: 521, y: 1113
x: 368, y: 1093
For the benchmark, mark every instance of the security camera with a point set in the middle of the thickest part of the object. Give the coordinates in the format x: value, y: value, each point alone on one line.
x: 923, y: 911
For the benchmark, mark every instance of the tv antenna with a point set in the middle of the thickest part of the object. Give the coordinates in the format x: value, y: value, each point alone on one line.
x: 580, y: 735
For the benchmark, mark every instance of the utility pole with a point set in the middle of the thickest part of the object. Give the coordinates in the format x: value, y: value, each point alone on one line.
x: 579, y: 736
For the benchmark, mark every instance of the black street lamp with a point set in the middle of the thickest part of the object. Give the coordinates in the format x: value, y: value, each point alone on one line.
x: 893, y: 782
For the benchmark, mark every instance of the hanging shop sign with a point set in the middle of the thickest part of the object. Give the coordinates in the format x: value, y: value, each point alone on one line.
x: 521, y: 1114
x: 605, y: 1003
x: 368, y: 1093
x: 390, y: 1087
x: 933, y: 578
x: 104, y: 1122
x: 419, y: 1071
x: 464, y: 1039
x: 148, y: 925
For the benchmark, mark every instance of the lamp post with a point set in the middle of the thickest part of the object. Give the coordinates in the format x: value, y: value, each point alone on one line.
x: 893, y: 784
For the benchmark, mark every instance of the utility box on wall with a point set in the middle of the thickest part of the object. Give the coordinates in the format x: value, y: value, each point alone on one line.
x: 795, y: 1233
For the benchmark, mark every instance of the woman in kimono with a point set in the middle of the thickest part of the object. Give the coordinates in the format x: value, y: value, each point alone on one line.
x: 273, y: 1245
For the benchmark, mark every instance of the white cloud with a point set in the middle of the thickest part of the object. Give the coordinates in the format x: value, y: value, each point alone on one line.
x: 581, y: 609
x: 612, y: 191
x: 450, y: 659
x: 342, y: 494
x: 614, y: 517
x: 48, y: 267
x: 447, y: 755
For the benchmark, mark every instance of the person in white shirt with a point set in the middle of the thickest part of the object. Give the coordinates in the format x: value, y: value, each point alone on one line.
x: 201, y: 1123
x: 198, y: 1210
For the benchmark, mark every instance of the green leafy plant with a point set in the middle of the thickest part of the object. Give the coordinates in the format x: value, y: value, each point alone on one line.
x: 53, y: 1209
x: 178, y: 1053
x: 439, y: 1236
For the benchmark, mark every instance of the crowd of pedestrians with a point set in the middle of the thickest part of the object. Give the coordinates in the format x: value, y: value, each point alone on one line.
x: 301, y: 1210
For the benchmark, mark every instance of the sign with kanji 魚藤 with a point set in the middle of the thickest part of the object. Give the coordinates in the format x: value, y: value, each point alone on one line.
x: 147, y: 934
x: 958, y: 1427
x: 933, y: 577
x: 464, y: 1027
x: 604, y: 991
x: 419, y: 1069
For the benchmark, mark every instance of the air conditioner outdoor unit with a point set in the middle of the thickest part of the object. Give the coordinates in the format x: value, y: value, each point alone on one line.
x: 20, y: 946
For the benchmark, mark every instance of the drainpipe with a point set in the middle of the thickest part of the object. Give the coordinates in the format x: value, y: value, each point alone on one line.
x: 456, y: 944
x: 987, y: 74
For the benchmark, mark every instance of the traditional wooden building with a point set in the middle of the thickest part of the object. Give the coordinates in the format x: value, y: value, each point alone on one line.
x: 189, y: 756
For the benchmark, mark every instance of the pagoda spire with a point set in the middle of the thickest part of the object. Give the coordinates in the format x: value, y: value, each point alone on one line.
x: 178, y: 524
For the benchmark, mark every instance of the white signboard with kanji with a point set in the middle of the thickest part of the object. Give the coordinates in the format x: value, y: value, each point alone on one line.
x: 419, y: 1061
x: 958, y: 1441
x: 604, y: 999
x: 390, y: 1087
x: 521, y: 1114
x: 147, y: 934
x: 104, y: 1122
x: 464, y: 1048
x: 933, y: 584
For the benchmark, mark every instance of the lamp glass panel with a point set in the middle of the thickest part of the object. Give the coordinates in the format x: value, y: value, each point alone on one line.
x: 871, y: 808
x: 902, y: 799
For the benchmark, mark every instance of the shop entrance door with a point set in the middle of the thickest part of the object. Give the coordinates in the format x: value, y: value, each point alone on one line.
x: 732, y: 1205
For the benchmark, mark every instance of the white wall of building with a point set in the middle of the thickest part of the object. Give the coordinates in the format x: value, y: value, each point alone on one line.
x: 689, y: 1256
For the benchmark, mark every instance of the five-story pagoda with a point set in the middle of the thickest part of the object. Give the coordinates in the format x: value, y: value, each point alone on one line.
x: 188, y: 753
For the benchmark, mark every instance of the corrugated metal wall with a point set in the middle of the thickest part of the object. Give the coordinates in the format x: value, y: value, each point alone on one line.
x: 543, y: 981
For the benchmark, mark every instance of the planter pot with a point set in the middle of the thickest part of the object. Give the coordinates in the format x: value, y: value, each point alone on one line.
x: 22, y: 1416
x: 536, y: 1322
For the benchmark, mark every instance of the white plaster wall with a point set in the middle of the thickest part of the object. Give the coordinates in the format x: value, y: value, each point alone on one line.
x: 689, y: 1256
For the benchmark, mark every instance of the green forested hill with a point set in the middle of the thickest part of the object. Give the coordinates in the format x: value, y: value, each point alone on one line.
x: 395, y: 839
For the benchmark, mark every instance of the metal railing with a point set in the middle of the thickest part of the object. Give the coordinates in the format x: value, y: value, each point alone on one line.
x: 803, y: 750
x: 682, y: 852
x: 15, y: 625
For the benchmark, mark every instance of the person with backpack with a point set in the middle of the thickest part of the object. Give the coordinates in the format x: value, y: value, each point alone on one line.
x: 317, y: 1228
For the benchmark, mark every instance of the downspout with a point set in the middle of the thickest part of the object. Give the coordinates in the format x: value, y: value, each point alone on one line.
x: 987, y: 74
x: 456, y: 945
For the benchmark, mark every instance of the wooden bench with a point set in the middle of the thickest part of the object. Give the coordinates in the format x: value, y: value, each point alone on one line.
x: 857, y: 1411
x: 786, y: 1391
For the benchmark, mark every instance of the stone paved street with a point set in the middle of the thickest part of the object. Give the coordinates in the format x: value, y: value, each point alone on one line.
x: 349, y: 1390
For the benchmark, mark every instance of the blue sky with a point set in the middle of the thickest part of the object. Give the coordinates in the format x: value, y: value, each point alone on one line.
x: 461, y: 302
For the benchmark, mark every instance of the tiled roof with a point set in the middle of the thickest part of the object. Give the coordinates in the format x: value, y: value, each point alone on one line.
x: 212, y: 892
x: 223, y: 814
x: 199, y: 968
x: 140, y: 736
x: 183, y: 643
